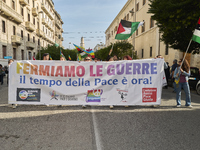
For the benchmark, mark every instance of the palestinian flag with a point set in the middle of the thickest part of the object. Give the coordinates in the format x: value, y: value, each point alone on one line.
x: 196, y: 34
x: 126, y: 29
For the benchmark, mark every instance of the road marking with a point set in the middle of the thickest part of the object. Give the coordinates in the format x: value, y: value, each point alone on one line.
x: 96, y: 131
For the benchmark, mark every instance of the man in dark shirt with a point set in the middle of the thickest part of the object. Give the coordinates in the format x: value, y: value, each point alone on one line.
x: 172, y: 73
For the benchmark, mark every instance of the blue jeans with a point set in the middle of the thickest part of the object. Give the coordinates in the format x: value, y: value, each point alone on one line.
x: 186, y: 88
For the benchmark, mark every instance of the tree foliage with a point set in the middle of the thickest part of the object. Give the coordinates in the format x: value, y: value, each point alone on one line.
x: 177, y: 20
x: 120, y: 49
x: 54, y: 52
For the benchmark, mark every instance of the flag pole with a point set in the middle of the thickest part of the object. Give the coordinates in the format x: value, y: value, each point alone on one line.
x: 186, y: 52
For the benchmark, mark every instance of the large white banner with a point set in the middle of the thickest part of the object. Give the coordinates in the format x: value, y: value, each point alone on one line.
x: 134, y: 82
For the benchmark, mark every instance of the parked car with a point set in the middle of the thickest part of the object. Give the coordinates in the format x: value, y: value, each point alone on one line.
x: 198, y: 88
x: 194, y: 79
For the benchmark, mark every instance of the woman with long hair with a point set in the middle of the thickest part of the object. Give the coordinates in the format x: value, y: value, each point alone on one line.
x: 181, y: 75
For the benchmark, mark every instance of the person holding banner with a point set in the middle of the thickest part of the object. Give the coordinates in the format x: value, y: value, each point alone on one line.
x: 87, y: 59
x: 45, y: 56
x: 62, y: 59
x: 181, y: 75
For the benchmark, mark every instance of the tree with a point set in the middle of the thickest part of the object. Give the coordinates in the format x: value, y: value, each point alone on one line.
x: 177, y: 20
x: 120, y: 49
x: 54, y: 52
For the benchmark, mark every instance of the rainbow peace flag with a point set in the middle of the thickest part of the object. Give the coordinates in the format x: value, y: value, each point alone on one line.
x: 89, y: 52
x: 69, y: 57
x: 61, y: 54
x: 50, y: 57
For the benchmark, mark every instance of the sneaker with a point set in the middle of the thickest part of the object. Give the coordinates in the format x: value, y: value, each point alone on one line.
x: 190, y: 106
x: 14, y: 106
x: 178, y: 106
x: 83, y: 106
x: 111, y: 106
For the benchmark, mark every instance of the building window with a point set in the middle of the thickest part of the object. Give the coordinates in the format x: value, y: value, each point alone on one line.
x: 38, y: 41
x: 127, y: 17
x: 143, y: 27
x: 28, y: 37
x: 22, y: 34
x: 4, y: 51
x: 144, y: 1
x: 14, y: 30
x: 137, y: 7
x: 29, y: 17
x: 166, y: 49
x: 14, y: 53
x: 150, y: 51
x: 33, y: 4
x: 137, y: 32
x: 13, y: 4
x: 29, y: 55
x: 151, y: 23
x: 37, y: 24
x: 3, y: 26
x: 22, y: 54
x: 33, y: 39
x: 22, y: 11
x: 34, y: 21
x: 142, y: 53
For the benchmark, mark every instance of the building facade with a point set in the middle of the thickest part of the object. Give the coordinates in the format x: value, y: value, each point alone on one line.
x: 26, y: 26
x: 146, y: 40
x: 99, y: 46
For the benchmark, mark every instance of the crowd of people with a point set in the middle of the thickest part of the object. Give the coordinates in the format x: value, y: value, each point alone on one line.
x: 178, y: 72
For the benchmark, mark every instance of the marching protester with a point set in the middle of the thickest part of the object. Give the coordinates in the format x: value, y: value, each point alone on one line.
x: 167, y: 74
x: 10, y: 61
x: 1, y: 74
x: 127, y: 57
x: 62, y: 58
x: 45, y: 56
x: 87, y: 59
x: 115, y: 58
x: 172, y: 73
x: 181, y: 75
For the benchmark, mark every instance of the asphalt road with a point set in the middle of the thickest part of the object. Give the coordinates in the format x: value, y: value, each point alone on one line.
x: 99, y: 127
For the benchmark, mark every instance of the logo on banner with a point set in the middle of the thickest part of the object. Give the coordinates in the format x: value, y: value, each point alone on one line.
x: 94, y: 95
x: 28, y: 94
x: 53, y: 95
x: 149, y: 95
x: 123, y: 94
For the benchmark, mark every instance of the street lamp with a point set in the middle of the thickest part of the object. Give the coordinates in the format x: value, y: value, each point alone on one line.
x: 39, y: 37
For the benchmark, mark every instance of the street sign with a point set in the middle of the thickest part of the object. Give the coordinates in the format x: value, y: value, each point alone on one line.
x: 7, y: 57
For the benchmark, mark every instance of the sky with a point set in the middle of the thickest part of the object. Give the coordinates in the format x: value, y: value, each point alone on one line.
x: 86, y: 18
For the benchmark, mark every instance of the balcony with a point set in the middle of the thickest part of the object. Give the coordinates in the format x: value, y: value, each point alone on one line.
x: 44, y: 21
x: 58, y: 24
x: 62, y: 39
x: 30, y: 26
x: 16, y: 39
x: 30, y: 45
x: 34, y: 12
x: 47, y: 11
x: 39, y: 33
x: 62, y: 30
x: 23, y: 2
x: 10, y: 13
